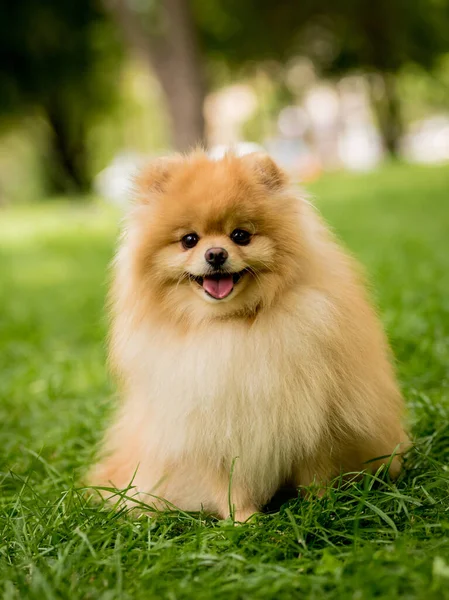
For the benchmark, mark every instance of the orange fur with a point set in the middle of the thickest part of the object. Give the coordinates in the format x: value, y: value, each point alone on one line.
x: 289, y: 376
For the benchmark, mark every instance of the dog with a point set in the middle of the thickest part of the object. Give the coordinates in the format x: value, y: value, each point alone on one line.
x: 247, y: 353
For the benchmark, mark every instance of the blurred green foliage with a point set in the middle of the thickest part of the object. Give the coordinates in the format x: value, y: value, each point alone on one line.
x: 59, y: 61
x: 382, y: 35
x: 424, y: 92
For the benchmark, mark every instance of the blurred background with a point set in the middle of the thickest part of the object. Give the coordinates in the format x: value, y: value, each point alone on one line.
x: 89, y: 88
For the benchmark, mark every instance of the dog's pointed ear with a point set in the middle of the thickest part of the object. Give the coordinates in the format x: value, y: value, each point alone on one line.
x: 266, y: 170
x: 153, y: 178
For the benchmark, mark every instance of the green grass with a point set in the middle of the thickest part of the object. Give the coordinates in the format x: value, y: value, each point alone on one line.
x: 375, y: 539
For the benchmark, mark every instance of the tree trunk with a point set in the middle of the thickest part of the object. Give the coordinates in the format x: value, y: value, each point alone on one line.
x: 166, y: 38
x: 67, y: 169
x: 388, y: 111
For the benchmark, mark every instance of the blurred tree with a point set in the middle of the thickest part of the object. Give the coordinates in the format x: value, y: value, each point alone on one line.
x: 378, y: 38
x: 58, y: 59
x: 382, y: 38
x: 163, y: 33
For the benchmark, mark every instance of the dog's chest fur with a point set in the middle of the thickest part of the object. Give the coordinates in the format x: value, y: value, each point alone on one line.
x: 257, y: 392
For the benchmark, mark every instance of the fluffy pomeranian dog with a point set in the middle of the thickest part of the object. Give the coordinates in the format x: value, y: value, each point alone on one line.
x: 243, y: 341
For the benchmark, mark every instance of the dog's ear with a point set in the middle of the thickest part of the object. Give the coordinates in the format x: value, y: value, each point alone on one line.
x: 267, y: 171
x: 153, y: 178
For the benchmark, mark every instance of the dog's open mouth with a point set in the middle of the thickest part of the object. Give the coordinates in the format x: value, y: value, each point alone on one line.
x: 218, y: 285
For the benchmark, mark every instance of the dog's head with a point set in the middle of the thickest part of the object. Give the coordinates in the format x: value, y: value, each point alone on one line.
x: 213, y: 239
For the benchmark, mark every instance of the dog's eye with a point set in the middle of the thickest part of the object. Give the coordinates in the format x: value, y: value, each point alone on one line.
x: 241, y: 237
x: 190, y: 240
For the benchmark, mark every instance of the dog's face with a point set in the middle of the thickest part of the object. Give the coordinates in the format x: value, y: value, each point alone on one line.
x: 214, y: 239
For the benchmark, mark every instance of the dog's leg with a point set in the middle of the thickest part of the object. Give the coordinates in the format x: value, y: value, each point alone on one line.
x: 350, y: 457
x: 373, y: 453
x: 232, y: 500
x: 315, y: 473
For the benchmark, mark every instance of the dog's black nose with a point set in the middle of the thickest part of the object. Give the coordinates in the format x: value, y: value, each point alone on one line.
x: 216, y: 257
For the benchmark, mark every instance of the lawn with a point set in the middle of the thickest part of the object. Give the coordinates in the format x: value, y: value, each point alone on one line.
x: 375, y: 539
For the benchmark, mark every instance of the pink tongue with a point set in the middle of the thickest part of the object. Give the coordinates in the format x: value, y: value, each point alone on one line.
x: 218, y: 288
